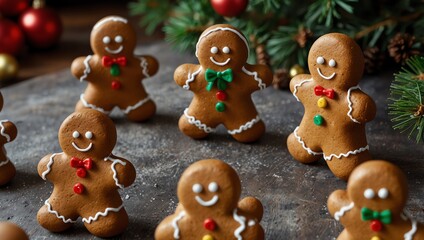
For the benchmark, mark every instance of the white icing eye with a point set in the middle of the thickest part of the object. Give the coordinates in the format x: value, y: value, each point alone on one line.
x: 197, y: 188
x: 214, y: 50
x: 106, y: 40
x: 226, y: 50
x: 213, y: 187
x: 383, y: 193
x: 89, y: 135
x: 320, y: 60
x: 369, y: 193
x: 75, y: 134
x: 119, y: 39
x: 332, y: 63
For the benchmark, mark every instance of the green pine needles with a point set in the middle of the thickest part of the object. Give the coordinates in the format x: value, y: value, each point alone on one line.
x: 407, y: 99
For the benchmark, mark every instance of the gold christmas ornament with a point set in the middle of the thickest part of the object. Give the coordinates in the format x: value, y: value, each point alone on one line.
x: 8, y: 67
x: 296, y: 70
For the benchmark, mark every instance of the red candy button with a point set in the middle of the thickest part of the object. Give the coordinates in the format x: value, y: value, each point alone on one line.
x: 209, y: 224
x: 221, y: 95
x: 81, y: 172
x: 116, y: 85
x: 376, y: 225
x: 79, y: 188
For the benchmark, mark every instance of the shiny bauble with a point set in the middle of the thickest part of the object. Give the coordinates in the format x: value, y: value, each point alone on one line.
x: 296, y: 70
x: 229, y: 8
x: 11, y: 37
x: 8, y: 67
x: 11, y: 8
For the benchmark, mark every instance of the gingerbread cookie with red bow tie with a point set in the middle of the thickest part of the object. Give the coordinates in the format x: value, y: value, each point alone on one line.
x: 8, y: 132
x: 113, y: 73
x: 86, y: 177
x: 336, y: 110
x: 372, y: 206
x: 222, y: 85
x: 209, y: 209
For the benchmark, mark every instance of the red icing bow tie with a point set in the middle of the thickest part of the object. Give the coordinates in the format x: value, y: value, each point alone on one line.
x: 108, y: 61
x: 320, y: 91
x: 81, y: 165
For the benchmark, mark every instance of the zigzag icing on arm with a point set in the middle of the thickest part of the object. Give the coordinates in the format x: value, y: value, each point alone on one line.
x: 343, y: 210
x: 359, y: 150
x: 299, y: 85
x: 115, y: 173
x: 144, y: 65
x: 198, y: 123
x: 349, y: 113
x: 191, y: 77
x: 175, y: 224
x: 87, y: 69
x: 3, y: 129
x: 102, y: 214
x: 50, y: 210
x: 4, y: 162
x: 242, y: 221
x: 49, y: 165
x: 245, y: 126
x: 261, y: 85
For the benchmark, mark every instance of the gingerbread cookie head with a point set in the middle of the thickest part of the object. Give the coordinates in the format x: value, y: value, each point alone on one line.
x: 379, y: 186
x: 221, y: 47
x: 209, y: 186
x: 113, y: 36
x: 10, y: 231
x: 335, y: 60
x: 87, y: 132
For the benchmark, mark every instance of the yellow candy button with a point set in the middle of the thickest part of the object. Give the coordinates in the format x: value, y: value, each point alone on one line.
x: 207, y: 237
x: 322, y: 102
x: 375, y: 238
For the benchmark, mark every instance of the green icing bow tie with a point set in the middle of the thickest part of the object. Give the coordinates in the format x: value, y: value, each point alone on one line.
x: 222, y: 78
x: 384, y: 216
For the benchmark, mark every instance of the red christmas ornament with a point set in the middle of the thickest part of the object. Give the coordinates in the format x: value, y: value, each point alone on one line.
x: 209, y: 224
x: 11, y: 37
x: 376, y: 225
x: 12, y: 8
x: 229, y: 8
x: 41, y: 26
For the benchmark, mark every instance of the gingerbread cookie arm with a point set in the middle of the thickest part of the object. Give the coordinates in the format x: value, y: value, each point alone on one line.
x: 252, y: 206
x: 81, y: 67
x: 361, y: 106
x: 168, y: 229
x: 297, y: 83
x: 45, y: 166
x: 149, y: 65
x: 261, y: 75
x: 8, y: 131
x: 339, y: 204
x: 185, y: 75
x: 123, y: 171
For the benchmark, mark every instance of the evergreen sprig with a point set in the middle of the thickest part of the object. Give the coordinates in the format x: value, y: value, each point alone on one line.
x: 407, y: 99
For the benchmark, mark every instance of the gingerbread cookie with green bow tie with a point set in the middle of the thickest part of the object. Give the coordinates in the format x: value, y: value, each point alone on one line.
x: 336, y: 109
x: 372, y: 206
x: 113, y: 73
x: 222, y: 85
x: 86, y: 177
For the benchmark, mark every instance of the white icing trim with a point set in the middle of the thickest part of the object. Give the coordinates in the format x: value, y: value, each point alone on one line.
x: 82, y: 149
x: 4, y: 162
x: 246, y: 126
x: 137, y: 105
x: 49, y: 165
x: 220, y: 63
x: 242, y: 221
x: 410, y: 234
x: 298, y: 85
x: 50, y: 210
x: 357, y: 151
x: 209, y: 203
x: 193, y: 121
x: 325, y: 77
x: 144, y: 65
x: 87, y: 69
x: 343, y: 210
x: 191, y: 77
x: 223, y: 29
x: 261, y: 85
x: 299, y: 139
x: 175, y: 224
x: 114, y: 162
x: 116, y: 51
x: 103, y: 214
x: 251, y: 223
x: 349, y: 114
x: 114, y: 18
x: 3, y: 129
x: 88, y: 105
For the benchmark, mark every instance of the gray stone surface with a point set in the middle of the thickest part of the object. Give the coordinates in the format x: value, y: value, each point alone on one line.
x: 294, y: 195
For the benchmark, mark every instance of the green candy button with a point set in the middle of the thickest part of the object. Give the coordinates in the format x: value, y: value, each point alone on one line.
x: 318, y: 120
x: 220, y: 107
x: 114, y: 70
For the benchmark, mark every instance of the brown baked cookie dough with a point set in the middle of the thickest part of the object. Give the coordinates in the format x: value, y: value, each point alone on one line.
x: 113, y: 73
x: 11, y: 231
x: 209, y: 207
x: 86, y: 177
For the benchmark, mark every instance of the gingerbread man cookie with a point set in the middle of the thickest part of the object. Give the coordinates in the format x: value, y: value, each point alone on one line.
x: 86, y: 177
x: 11, y: 231
x: 209, y: 208
x: 8, y: 133
x: 372, y: 206
x: 336, y: 109
x: 113, y: 73
x: 222, y: 85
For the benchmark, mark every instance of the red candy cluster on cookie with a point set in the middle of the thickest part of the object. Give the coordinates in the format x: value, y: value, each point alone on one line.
x: 222, y: 85
x: 86, y: 177
x: 209, y: 208
x: 336, y: 110
x: 113, y: 73
x: 372, y: 207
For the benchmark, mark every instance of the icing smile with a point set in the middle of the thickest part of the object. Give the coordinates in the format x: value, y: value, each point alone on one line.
x: 209, y: 203
x: 82, y: 149
x: 116, y: 51
x: 325, y: 77
x: 220, y: 63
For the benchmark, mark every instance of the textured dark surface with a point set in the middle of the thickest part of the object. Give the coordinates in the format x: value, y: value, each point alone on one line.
x: 294, y: 195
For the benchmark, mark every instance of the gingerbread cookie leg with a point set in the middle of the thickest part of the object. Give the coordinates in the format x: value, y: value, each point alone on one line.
x: 300, y: 151
x: 109, y: 223
x: 141, y: 111
x: 342, y: 167
x: 246, y: 131
x: 193, y: 127
x: 50, y: 219
x: 7, y: 171
x: 89, y: 102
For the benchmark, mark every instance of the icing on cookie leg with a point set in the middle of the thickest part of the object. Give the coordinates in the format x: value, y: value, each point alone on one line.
x: 88, y: 105
x: 101, y: 214
x: 63, y: 218
x: 353, y: 152
x: 192, y: 120
x: 137, y: 105
x: 245, y: 126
